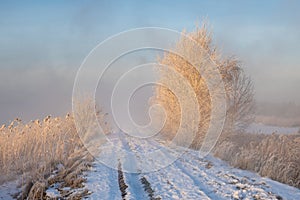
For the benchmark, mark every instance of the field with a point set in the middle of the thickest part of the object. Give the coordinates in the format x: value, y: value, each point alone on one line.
x: 214, y: 141
x: 276, y: 156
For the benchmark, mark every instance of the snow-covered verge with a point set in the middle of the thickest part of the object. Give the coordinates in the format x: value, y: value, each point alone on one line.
x: 276, y: 156
x: 189, y: 177
x: 64, y: 182
x: 30, y: 152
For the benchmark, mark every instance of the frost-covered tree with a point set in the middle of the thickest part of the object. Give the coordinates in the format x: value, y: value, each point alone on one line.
x: 238, y: 86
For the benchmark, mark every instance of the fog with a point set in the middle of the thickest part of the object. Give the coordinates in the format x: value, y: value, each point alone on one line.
x: 42, y: 45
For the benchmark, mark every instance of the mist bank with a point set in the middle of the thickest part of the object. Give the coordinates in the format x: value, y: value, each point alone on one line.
x: 285, y: 114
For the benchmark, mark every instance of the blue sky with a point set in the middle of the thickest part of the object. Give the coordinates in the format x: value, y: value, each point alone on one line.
x: 42, y: 44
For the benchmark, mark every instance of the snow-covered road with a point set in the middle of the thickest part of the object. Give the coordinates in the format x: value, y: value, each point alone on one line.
x: 189, y: 177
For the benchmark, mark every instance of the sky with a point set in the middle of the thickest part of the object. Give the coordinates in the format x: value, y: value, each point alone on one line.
x: 43, y: 43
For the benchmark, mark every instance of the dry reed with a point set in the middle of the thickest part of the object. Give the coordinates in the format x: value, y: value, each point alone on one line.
x: 274, y: 156
x: 31, y: 152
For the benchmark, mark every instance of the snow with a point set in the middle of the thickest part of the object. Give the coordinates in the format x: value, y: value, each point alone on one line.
x: 102, y: 181
x: 260, y: 128
x: 189, y: 177
x: 52, y: 192
x: 10, y: 189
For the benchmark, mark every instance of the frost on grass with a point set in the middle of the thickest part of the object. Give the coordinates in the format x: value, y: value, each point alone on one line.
x: 275, y: 156
x: 30, y: 153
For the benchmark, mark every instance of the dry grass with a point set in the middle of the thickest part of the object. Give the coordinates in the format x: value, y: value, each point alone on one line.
x: 88, y: 118
x: 31, y: 152
x: 274, y: 156
x: 36, y: 145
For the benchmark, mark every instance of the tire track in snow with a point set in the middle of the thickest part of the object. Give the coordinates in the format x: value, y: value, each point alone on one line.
x: 161, y: 184
x: 187, y: 178
x: 135, y: 189
x: 148, y: 189
x: 211, y: 194
x: 167, y: 185
x: 146, y: 184
x: 222, y: 184
x: 122, y: 184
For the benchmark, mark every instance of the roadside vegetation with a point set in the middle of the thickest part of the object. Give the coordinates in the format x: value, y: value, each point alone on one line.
x: 42, y: 153
x: 275, y: 156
